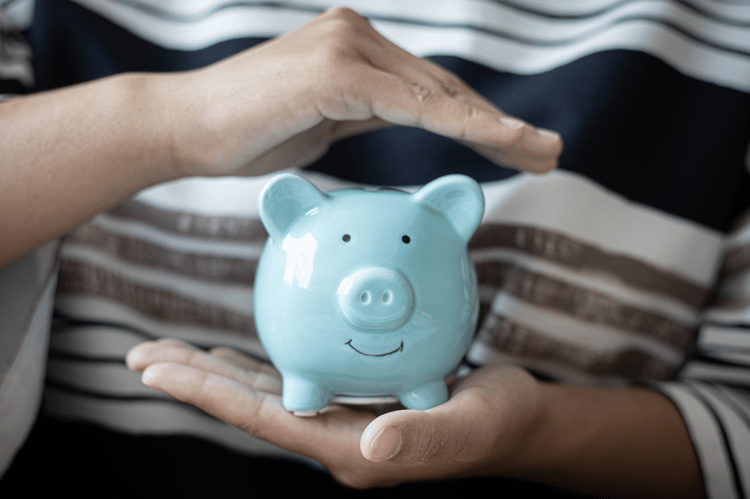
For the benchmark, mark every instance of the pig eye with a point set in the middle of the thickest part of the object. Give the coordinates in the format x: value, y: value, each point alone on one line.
x: 406, y: 239
x: 346, y: 238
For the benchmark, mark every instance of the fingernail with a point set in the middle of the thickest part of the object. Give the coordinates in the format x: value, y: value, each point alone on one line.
x: 511, y: 122
x: 386, y: 444
x: 131, y: 359
x: 548, y: 133
x: 147, y: 377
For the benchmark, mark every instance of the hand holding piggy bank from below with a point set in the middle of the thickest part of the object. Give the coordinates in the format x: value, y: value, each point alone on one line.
x: 366, y: 293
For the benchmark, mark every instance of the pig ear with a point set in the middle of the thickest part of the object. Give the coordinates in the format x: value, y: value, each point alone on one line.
x: 458, y: 198
x: 284, y: 199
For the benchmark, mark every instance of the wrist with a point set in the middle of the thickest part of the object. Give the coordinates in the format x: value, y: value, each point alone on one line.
x: 612, y: 441
x: 198, y: 131
x: 159, y: 122
x: 548, y: 441
x: 525, y: 455
x: 519, y: 422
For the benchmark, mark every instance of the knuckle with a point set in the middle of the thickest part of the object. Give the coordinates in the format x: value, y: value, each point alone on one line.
x: 471, y: 113
x: 424, y: 95
x: 344, y: 23
x: 337, y: 49
x: 433, y: 450
x: 340, y: 30
x: 515, y: 137
x: 252, y: 421
x: 443, y: 84
x: 451, y: 90
x: 430, y: 441
x: 345, y: 13
x: 423, y: 98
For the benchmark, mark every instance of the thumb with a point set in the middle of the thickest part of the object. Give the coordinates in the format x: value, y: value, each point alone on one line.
x: 418, y: 437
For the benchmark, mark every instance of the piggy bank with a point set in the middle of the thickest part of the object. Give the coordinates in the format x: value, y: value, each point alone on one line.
x: 362, y: 293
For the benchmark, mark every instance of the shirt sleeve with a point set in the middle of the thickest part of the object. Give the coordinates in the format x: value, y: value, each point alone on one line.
x: 16, y: 72
x: 713, y: 393
x: 26, y: 285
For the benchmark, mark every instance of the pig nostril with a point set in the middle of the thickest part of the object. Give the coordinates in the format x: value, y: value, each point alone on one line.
x: 376, y: 299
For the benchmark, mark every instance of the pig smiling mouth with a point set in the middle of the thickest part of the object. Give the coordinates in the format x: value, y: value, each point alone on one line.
x: 400, y: 348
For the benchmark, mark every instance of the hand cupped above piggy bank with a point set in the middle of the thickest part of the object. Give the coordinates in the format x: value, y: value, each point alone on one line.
x: 364, y: 293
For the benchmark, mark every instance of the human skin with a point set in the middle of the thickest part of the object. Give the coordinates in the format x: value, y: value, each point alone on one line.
x: 499, y: 421
x: 71, y: 153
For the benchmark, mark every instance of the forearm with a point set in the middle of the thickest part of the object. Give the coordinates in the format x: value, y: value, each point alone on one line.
x: 69, y: 154
x: 72, y: 153
x: 620, y: 442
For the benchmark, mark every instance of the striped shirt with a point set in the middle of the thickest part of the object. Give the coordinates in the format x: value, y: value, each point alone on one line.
x: 629, y: 264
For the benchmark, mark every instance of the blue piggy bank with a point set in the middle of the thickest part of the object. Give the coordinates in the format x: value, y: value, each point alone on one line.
x: 366, y: 293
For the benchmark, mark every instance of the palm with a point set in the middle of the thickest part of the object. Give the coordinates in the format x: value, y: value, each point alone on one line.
x: 486, y: 418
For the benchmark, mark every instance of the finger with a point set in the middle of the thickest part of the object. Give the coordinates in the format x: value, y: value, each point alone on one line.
x: 411, y: 104
x: 430, y: 437
x: 403, y: 102
x: 537, y: 151
x: 394, y: 59
x: 243, y: 361
x: 217, y: 395
x: 142, y: 355
x: 487, y: 415
x: 146, y: 354
x: 257, y: 413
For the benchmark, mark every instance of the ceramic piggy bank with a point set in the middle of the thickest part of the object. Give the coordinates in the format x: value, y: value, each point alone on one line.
x: 366, y: 293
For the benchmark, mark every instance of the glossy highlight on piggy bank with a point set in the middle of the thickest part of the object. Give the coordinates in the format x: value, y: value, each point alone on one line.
x: 363, y: 293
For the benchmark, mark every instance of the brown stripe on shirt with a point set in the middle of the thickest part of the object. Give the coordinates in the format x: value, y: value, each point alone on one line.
x: 80, y: 278
x: 191, y: 224
x: 583, y: 304
x: 207, y: 267
x: 507, y: 337
x: 586, y: 258
x: 736, y: 261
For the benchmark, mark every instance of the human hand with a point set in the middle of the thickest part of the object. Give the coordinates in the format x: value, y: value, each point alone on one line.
x: 283, y: 103
x: 483, y: 427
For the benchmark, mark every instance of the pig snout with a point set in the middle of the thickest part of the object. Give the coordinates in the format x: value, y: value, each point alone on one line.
x: 376, y: 299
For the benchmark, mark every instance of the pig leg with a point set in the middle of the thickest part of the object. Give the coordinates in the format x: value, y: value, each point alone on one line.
x: 425, y: 396
x: 303, y: 397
